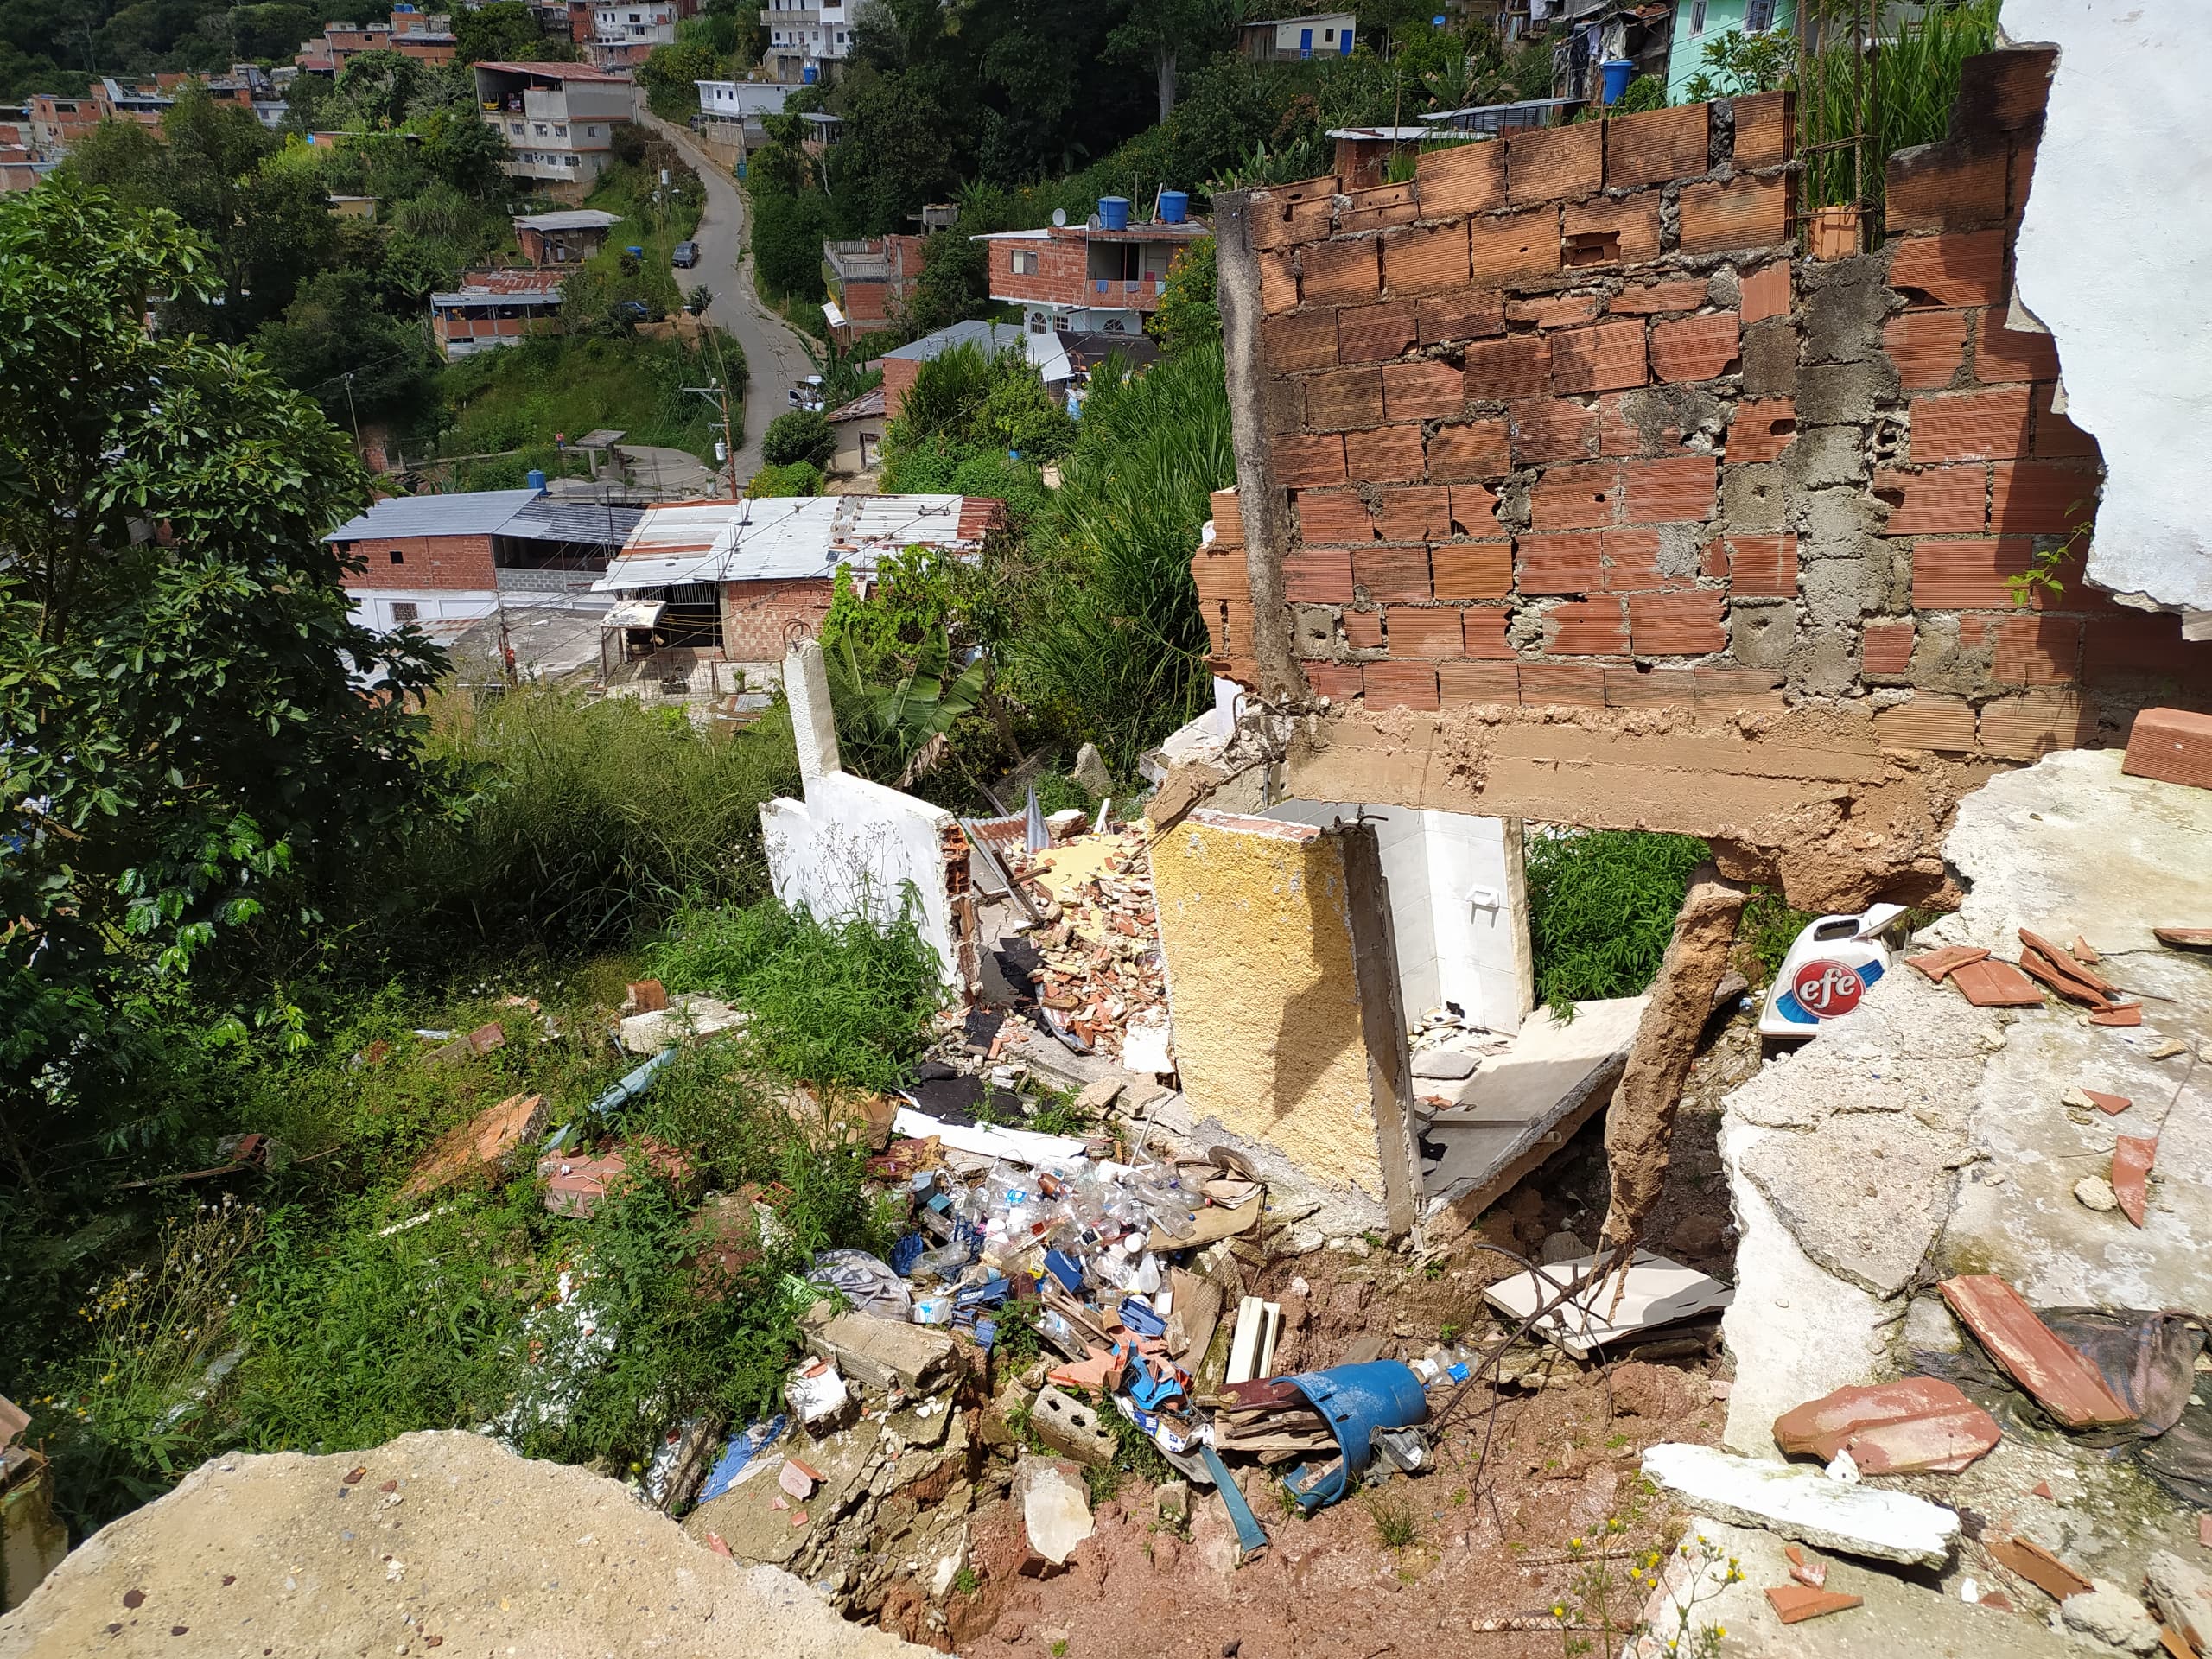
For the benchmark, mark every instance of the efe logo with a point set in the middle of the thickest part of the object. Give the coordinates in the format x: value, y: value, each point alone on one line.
x: 1825, y: 988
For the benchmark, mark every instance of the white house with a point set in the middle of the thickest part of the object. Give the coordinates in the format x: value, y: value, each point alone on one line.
x: 805, y: 36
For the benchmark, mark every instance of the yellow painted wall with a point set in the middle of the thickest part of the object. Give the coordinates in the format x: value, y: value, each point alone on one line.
x: 1258, y: 945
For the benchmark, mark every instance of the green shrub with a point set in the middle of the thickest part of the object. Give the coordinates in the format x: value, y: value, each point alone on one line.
x: 799, y: 478
x: 1602, y: 905
x: 798, y: 435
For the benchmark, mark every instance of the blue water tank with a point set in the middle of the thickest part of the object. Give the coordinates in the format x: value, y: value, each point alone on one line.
x: 535, y: 479
x: 1618, y: 73
x: 808, y: 74
x: 1175, y: 207
x: 1114, y: 213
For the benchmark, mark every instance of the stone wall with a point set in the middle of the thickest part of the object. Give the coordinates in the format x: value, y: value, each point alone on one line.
x: 1565, y: 422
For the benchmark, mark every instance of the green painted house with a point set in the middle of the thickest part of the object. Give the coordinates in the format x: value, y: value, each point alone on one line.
x: 1697, y: 22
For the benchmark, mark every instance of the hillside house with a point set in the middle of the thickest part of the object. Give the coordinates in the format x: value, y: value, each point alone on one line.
x: 623, y: 34
x: 1289, y: 40
x: 558, y: 120
x: 870, y: 282
x: 730, y: 110
x: 859, y: 428
x: 566, y: 237
x: 805, y: 38
x: 1090, y: 280
x: 427, y: 37
x: 492, y: 309
x: 1698, y: 24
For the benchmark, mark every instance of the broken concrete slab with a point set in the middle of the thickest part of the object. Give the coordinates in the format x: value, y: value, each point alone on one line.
x: 2108, y: 1614
x: 1055, y: 1508
x: 754, y: 1518
x: 883, y: 1353
x: 2181, y: 1591
x: 1444, y: 1064
x: 1796, y: 1502
x: 1657, y: 1291
x: 683, y: 1015
x: 1920, y: 1423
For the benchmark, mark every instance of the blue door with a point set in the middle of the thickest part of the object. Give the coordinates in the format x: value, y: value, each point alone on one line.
x: 1305, y: 43
x: 1344, y: 49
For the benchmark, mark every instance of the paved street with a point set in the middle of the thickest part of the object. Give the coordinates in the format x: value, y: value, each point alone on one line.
x: 772, y: 350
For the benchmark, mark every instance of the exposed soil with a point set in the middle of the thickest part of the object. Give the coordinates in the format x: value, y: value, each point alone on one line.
x: 1521, y: 1473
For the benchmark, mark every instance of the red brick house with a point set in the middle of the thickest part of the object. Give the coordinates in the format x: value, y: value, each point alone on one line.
x: 870, y: 282
x: 492, y: 309
x: 1074, y: 277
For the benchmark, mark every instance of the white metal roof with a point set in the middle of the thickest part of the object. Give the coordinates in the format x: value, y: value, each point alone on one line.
x: 785, y: 537
x: 569, y: 219
x: 475, y: 512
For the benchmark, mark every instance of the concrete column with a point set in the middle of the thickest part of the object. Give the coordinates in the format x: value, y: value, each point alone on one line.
x: 814, y: 724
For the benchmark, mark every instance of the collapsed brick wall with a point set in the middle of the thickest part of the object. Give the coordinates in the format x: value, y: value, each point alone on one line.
x: 1563, y: 420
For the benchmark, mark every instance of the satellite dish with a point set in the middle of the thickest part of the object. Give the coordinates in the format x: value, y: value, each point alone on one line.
x: 1093, y: 222
x: 1060, y: 217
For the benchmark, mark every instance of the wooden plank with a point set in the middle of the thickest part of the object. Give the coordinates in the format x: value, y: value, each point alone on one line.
x: 2060, y: 1376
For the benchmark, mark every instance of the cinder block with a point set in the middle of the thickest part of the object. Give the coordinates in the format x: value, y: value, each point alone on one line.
x: 1546, y: 429
x: 1766, y: 292
x: 1383, y: 455
x: 2002, y: 353
x: 1471, y: 313
x: 1927, y: 347
x: 1425, y: 259
x: 1569, y: 563
x: 1500, y: 370
x: 1587, y: 627
x: 1935, y: 501
x: 1957, y: 186
x: 1577, y: 685
x: 1695, y: 348
x: 1400, y: 685
x: 1413, y: 512
x: 1465, y: 178
x: 1473, y: 570
x: 1344, y: 397
x: 1333, y: 516
x: 1396, y: 574
x: 1611, y: 230
x: 1318, y: 575
x: 2171, y: 745
x: 1672, y: 489
x: 1508, y: 247
x: 1766, y: 129
x: 1762, y: 429
x: 2037, y: 650
x: 1742, y: 213
x: 1885, y: 648
x: 1431, y: 631
x: 1554, y: 163
x: 1656, y: 146
x: 1928, y: 720
x: 1676, y: 625
x: 2040, y: 497
x: 1763, y: 566
x: 1468, y: 451
x: 1303, y: 340
x: 1424, y: 390
x: 1604, y: 356
x: 1580, y: 496
x: 1371, y: 333
x: 1971, y: 425
x: 1483, y: 682
x: 1339, y: 273
x: 1302, y: 459
x: 1957, y: 267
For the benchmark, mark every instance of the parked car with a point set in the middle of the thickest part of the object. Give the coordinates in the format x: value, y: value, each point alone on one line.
x: 686, y: 255
x: 808, y: 393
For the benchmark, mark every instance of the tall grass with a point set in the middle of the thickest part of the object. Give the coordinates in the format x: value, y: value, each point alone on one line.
x: 1110, y: 640
x: 1602, y: 905
x: 1915, y: 83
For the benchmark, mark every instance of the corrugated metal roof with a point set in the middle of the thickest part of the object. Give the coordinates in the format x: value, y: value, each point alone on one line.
x: 786, y: 537
x: 477, y: 512
x: 569, y: 219
x: 574, y: 519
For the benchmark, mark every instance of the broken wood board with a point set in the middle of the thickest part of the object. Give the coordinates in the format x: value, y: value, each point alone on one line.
x: 2059, y: 1376
x: 1657, y: 1291
x: 1209, y: 1226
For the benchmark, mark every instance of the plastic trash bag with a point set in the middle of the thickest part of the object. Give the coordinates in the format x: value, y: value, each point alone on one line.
x: 865, y: 1282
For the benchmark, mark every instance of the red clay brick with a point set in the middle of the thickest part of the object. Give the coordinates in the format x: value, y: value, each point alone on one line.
x: 1471, y: 314
x: 1743, y: 213
x: 2037, y: 650
x: 1368, y: 333
x: 1553, y: 311
x: 1631, y: 686
x: 1695, y: 348
x: 1552, y: 428
x: 1500, y: 370
x: 1660, y: 296
x: 2038, y: 498
x: 1510, y: 247
x: 1386, y: 454
x: 1339, y: 273
x: 1465, y: 178
x: 1333, y: 516
x: 1343, y: 398
x: 2134, y: 646
x: 1968, y: 574
x: 1425, y: 259
x: 1572, y: 563
x: 1609, y: 231
x: 1576, y: 497
x: 1421, y: 390
x: 1318, y: 575
x: 1971, y: 425
x: 1928, y: 720
x: 1949, y: 186
x: 1300, y: 460
x: 1571, y: 685
x: 1474, y: 450
x: 1490, y: 682
x: 1766, y: 292
x: 1373, y: 208
x: 1619, y: 436
x: 1603, y: 358
x: 1656, y: 147
x: 1935, y: 501
x: 1392, y: 572
x: 2003, y: 354
x: 1430, y: 631
x: 1474, y: 511
x: 1553, y: 163
x: 1762, y: 429
x: 1960, y: 268
x: 1400, y: 685
x: 1472, y: 569
x: 1632, y: 562
x: 1278, y: 284
x: 1766, y: 129
x: 2031, y: 725
x: 1763, y: 566
x: 1228, y: 519
x: 1927, y: 347
x: 1676, y: 488
x: 1306, y: 340
x: 1485, y: 628
x: 2056, y: 438
x: 1676, y: 625
x: 1730, y: 690
x: 1886, y: 647
x: 1587, y: 627
x: 2171, y: 745
x: 1337, y: 682
x: 1363, y: 629
x: 1413, y: 512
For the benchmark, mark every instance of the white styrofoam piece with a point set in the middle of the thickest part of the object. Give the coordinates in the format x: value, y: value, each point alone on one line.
x: 1658, y: 1292
x: 1024, y: 1146
x: 1798, y: 1500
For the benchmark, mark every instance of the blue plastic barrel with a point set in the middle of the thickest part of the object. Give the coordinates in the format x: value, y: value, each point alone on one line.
x: 1114, y: 213
x: 1618, y: 73
x: 808, y: 74
x: 1175, y: 207
x: 535, y: 479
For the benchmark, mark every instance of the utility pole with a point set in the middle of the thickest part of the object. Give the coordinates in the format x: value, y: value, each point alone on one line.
x: 353, y: 413
x: 716, y: 391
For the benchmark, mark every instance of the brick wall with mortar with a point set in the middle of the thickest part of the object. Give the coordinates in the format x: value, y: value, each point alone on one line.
x: 459, y: 562
x: 1562, y: 421
x: 763, y: 620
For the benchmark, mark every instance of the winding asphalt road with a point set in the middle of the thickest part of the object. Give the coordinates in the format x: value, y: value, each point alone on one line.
x: 772, y: 351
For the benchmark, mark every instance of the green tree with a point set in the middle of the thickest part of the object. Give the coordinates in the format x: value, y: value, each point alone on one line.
x: 359, y: 363
x: 376, y: 88
x: 954, y: 282
x: 195, y: 737
x: 798, y: 434
x: 669, y: 72
x: 1161, y: 33
x: 1187, y: 315
x: 502, y: 31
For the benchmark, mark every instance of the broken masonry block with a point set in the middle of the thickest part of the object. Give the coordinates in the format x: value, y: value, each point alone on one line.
x: 1072, y: 1428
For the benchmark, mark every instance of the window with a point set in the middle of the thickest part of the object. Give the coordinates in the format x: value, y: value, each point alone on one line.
x: 560, y: 131
x: 1025, y: 262
x: 398, y: 557
x: 403, y: 613
x: 1329, y: 37
x: 1759, y: 16
x: 1697, y: 16
x: 591, y: 132
x: 539, y: 126
x: 568, y: 159
x: 515, y: 127
x: 1036, y: 322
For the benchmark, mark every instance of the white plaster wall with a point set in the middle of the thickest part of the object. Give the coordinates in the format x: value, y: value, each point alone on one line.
x: 852, y: 848
x: 2115, y: 259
